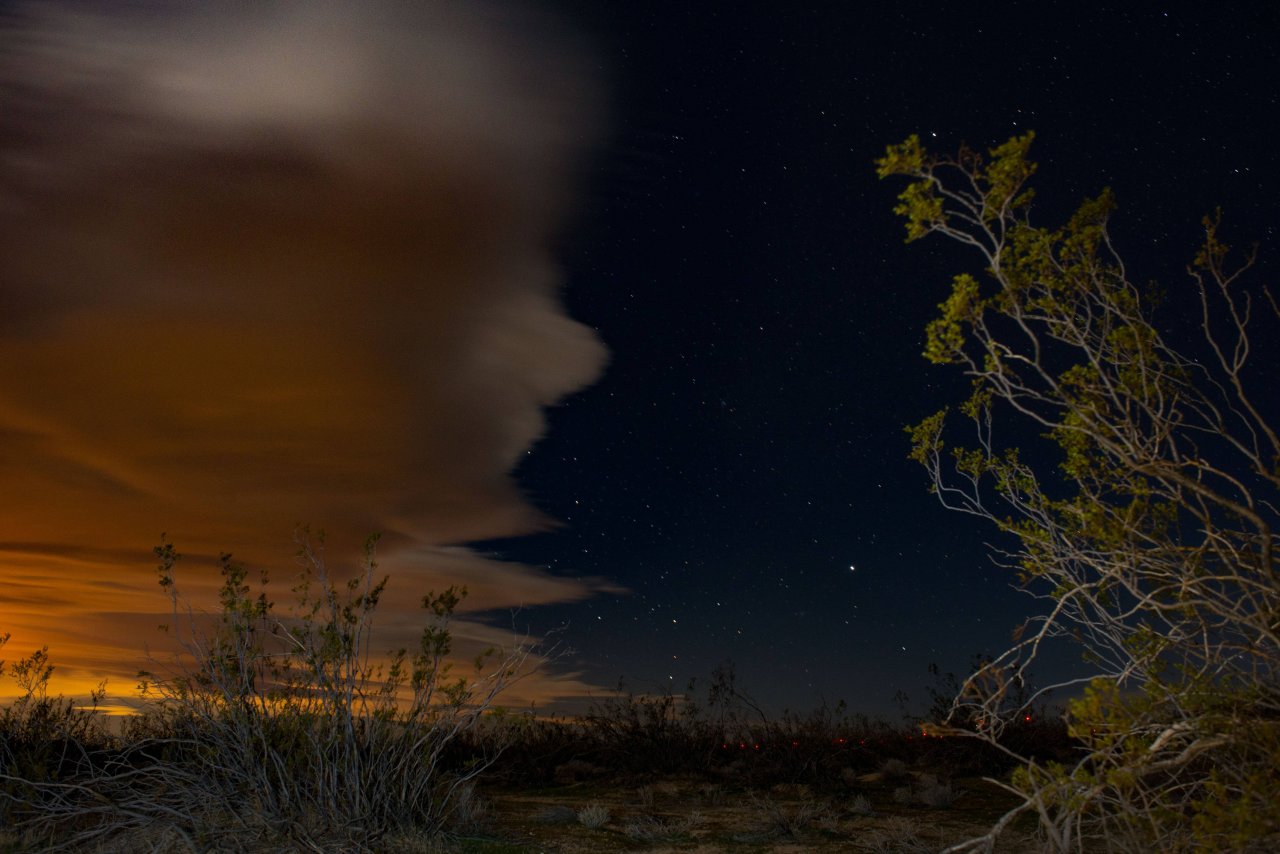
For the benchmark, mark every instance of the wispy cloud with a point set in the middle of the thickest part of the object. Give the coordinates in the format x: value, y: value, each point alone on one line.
x: 270, y: 263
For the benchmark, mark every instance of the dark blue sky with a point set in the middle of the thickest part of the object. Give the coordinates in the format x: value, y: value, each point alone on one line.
x: 737, y: 255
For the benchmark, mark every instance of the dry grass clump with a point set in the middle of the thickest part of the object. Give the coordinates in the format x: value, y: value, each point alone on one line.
x: 646, y: 797
x: 712, y: 794
x: 898, y: 835
x: 594, y: 815
x: 651, y: 829
x: 792, y: 822
x: 468, y: 813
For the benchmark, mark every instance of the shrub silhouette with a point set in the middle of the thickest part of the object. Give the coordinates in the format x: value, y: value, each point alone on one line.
x: 267, y: 730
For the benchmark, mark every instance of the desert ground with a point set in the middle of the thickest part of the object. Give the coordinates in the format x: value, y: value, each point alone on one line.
x: 878, y: 813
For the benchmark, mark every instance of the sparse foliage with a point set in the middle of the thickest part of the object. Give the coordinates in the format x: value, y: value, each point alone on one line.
x: 42, y: 737
x: 283, y: 731
x: 1151, y: 543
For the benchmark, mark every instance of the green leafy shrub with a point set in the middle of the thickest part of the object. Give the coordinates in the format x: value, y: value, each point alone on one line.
x: 1152, y: 535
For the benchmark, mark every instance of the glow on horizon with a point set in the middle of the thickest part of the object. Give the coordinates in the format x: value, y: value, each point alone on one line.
x: 248, y: 286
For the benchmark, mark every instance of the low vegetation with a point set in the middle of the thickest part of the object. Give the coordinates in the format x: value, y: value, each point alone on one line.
x: 277, y: 732
x: 268, y: 731
x: 245, y: 749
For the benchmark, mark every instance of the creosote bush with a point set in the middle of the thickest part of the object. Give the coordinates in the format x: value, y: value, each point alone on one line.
x: 278, y: 731
x: 1146, y: 524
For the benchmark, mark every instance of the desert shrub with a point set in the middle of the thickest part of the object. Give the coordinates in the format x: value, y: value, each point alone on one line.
x: 44, y: 739
x: 721, y: 736
x: 646, y: 797
x: 1038, y: 731
x: 632, y: 733
x: 933, y: 793
x: 778, y: 819
x: 594, y: 815
x: 468, y: 811
x: 536, y: 748
x: 651, y: 829
x: 1147, y: 523
x: 272, y: 730
x: 898, y: 835
x: 711, y: 794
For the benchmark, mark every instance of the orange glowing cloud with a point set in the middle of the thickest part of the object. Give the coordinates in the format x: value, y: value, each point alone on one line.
x: 270, y: 263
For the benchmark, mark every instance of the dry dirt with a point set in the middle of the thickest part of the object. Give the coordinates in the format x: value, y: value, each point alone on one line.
x: 702, y: 818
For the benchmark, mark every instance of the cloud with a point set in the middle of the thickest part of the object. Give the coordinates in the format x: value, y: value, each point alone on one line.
x: 279, y: 262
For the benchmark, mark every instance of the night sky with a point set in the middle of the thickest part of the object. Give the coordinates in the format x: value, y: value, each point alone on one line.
x: 599, y: 309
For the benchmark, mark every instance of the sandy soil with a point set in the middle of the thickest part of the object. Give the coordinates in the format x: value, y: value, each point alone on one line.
x: 702, y: 818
